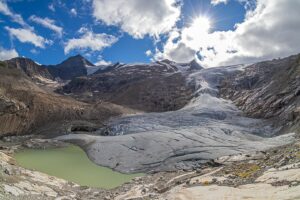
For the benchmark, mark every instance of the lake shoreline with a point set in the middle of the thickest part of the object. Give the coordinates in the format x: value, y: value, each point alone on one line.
x: 71, y: 163
x: 227, y: 172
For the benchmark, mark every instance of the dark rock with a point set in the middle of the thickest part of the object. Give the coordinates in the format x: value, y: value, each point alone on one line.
x: 75, y: 66
x: 154, y: 87
x: 29, y: 67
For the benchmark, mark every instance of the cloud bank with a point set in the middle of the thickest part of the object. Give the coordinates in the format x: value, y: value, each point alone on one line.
x: 6, y: 54
x: 90, y: 41
x: 15, y: 17
x: 138, y: 17
x: 28, y: 36
x: 47, y: 23
x: 267, y: 32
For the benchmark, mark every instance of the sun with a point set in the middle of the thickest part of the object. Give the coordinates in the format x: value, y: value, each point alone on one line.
x: 202, y: 24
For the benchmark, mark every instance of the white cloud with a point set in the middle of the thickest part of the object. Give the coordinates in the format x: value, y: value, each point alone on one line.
x: 34, y: 51
x: 148, y: 53
x: 267, y: 32
x: 6, y: 54
x: 83, y: 29
x: 28, y: 36
x: 4, y: 9
x: 47, y: 23
x: 102, y: 62
x: 90, y: 40
x: 73, y: 12
x: 248, y: 4
x: 51, y: 7
x: 216, y: 2
x: 181, y: 52
x: 139, y: 17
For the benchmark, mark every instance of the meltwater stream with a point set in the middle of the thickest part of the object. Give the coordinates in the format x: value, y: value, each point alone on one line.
x: 207, y: 128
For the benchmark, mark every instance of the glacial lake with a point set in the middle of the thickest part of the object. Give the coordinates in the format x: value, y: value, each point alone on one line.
x: 72, y: 164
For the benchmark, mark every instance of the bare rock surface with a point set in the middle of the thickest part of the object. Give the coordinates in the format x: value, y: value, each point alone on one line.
x: 269, y: 89
x: 258, y: 178
x: 154, y: 87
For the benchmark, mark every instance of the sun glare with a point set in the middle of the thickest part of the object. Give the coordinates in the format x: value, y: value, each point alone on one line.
x: 203, y: 24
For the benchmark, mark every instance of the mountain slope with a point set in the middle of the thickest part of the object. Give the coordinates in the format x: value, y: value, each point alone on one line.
x: 29, y: 67
x: 269, y: 89
x: 154, y: 87
x: 74, y: 66
x: 202, y: 122
x: 25, y: 108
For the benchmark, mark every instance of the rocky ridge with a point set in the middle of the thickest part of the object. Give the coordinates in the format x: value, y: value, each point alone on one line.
x: 29, y: 67
x: 74, y: 66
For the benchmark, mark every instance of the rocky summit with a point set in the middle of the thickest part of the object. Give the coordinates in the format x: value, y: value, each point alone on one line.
x: 72, y: 67
x: 231, y: 129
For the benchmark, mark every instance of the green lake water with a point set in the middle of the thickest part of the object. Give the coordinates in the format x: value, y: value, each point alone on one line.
x: 72, y: 164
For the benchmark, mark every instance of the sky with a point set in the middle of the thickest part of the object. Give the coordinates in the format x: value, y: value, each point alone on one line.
x: 214, y: 32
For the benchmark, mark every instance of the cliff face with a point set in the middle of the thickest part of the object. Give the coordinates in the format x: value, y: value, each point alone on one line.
x: 269, y: 90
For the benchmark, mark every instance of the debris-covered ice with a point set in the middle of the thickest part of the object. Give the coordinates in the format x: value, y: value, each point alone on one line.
x: 207, y: 128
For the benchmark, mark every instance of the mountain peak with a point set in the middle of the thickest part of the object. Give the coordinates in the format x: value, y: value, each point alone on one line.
x: 167, y: 61
x: 77, y: 56
x: 29, y: 67
x: 21, y: 59
x: 195, y: 65
x: 77, y: 60
x: 72, y: 67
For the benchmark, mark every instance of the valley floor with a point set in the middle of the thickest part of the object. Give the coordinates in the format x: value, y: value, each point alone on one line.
x: 272, y: 174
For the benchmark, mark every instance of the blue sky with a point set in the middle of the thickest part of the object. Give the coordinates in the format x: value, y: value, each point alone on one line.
x: 118, y: 37
x: 126, y: 49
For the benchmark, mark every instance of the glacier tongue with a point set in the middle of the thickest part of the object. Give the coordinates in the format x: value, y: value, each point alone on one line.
x: 207, y: 128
